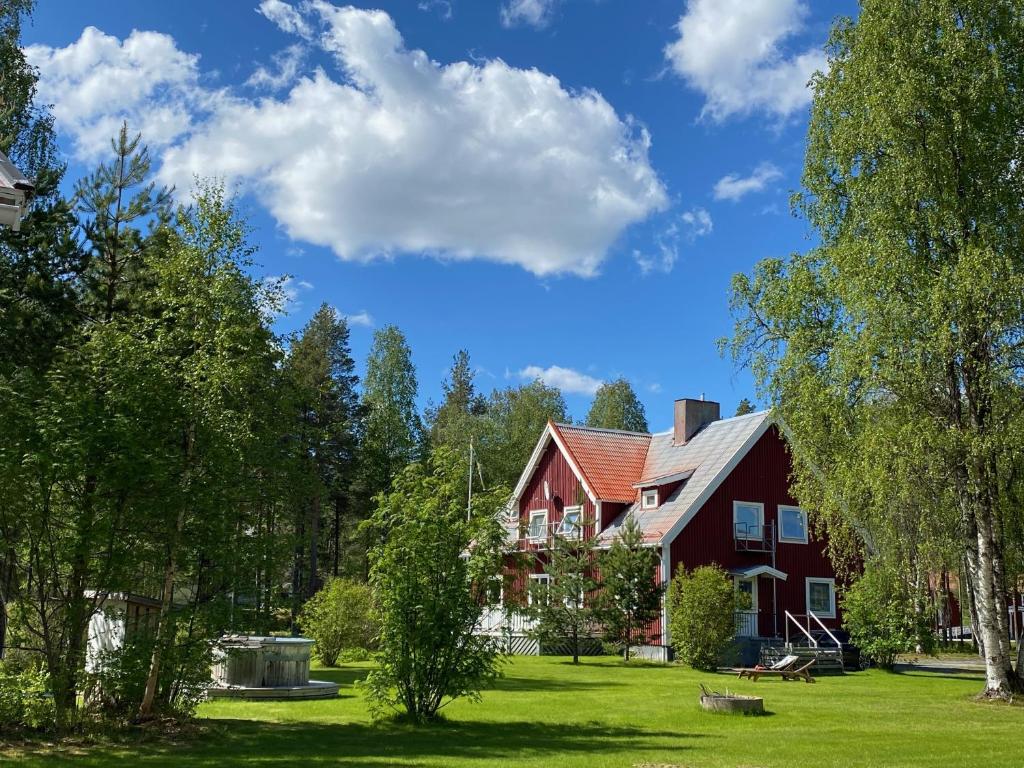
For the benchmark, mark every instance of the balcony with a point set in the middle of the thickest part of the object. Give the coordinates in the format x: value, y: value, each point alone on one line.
x: 754, y: 538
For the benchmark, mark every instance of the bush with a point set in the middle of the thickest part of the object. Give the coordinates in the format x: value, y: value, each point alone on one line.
x: 879, y: 614
x: 116, y: 685
x: 25, y: 702
x: 433, y: 572
x: 339, y: 616
x: 702, y: 615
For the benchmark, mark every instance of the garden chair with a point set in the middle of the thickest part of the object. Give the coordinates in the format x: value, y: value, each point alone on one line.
x: 785, y: 668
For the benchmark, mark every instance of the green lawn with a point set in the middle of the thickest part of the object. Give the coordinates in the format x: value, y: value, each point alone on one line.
x: 545, y: 712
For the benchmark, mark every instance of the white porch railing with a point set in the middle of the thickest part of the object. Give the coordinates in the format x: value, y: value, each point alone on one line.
x: 497, y: 621
x: 746, y: 624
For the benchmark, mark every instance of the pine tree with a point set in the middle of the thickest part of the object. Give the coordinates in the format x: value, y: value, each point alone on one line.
x: 616, y: 406
x: 112, y: 201
x: 457, y: 420
x: 562, y: 607
x: 322, y: 373
x: 744, y: 407
x: 630, y: 597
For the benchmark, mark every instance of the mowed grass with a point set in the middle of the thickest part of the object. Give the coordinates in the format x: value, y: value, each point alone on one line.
x: 546, y: 712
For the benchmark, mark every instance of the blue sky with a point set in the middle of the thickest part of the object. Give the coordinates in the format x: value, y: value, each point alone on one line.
x: 563, y: 187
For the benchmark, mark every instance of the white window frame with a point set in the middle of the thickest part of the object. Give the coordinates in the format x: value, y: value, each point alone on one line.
x: 577, y: 530
x: 541, y: 578
x: 529, y: 529
x: 645, y: 504
x: 792, y: 539
x: 760, y: 520
x: 831, y: 613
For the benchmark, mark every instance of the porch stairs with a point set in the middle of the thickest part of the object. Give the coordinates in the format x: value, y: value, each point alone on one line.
x: 805, y: 646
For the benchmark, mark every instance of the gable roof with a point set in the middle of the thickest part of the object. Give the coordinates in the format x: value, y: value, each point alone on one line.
x: 612, y: 465
x: 610, y: 460
x: 711, y: 454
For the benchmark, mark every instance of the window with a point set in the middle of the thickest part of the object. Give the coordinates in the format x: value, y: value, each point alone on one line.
x: 792, y: 524
x: 570, y: 525
x: 538, y: 588
x: 538, y: 525
x: 747, y: 520
x: 821, y: 598
x: 649, y: 500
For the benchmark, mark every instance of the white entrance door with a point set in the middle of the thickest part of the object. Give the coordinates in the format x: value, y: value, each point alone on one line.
x: 746, y: 613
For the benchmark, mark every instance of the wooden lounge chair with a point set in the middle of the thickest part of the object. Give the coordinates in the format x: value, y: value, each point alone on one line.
x: 785, y: 668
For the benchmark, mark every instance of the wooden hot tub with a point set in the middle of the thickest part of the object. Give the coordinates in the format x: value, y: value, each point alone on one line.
x: 254, y: 667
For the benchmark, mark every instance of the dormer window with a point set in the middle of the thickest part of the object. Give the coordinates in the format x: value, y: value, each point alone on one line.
x: 649, y: 500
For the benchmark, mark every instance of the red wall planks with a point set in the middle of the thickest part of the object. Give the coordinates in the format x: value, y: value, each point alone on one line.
x: 761, y: 476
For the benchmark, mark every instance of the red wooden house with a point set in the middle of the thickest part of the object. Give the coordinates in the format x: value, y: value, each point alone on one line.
x: 709, y: 490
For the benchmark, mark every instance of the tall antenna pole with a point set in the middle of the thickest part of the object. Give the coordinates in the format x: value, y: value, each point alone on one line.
x: 469, y: 500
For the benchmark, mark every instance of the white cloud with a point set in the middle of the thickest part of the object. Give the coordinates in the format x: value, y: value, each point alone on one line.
x: 535, y: 13
x: 362, y: 318
x: 733, y: 187
x: 698, y: 221
x: 286, y: 63
x: 286, y: 17
x: 397, y: 154
x: 731, y: 51
x: 690, y: 225
x: 99, y: 81
x: 443, y: 7
x: 565, y: 379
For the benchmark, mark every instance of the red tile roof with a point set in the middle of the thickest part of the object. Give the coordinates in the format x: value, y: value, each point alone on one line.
x: 610, y: 460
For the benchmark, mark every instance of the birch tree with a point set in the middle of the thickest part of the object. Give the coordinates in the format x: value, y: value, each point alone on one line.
x: 895, y: 349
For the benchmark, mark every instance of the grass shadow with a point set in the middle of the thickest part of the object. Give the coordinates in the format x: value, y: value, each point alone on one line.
x: 245, y: 742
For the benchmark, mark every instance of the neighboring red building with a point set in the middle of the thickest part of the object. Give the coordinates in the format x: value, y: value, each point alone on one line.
x: 708, y: 491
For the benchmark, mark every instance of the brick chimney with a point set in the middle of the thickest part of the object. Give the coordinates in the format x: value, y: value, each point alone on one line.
x: 692, y: 416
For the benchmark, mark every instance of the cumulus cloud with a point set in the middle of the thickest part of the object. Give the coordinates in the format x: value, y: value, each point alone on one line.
x: 396, y: 154
x: 286, y: 17
x: 732, y: 51
x: 97, y: 82
x: 565, y: 379
x: 690, y: 225
x: 285, y: 71
x: 534, y: 13
x: 733, y: 186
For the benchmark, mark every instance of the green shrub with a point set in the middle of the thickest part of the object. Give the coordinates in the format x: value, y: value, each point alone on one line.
x: 116, y: 685
x: 879, y: 614
x: 339, y: 616
x: 25, y: 702
x: 702, y: 615
x: 350, y: 655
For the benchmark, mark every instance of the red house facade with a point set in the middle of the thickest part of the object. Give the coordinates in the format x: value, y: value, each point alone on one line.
x: 709, y: 490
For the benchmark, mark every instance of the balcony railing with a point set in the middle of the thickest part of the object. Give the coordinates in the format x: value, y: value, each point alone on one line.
x: 754, y: 538
x: 543, y: 535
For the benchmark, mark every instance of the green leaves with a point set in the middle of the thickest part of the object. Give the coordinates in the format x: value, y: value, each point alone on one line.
x: 893, y: 350
x: 431, y: 570
x: 630, y: 597
x: 701, y: 615
x: 616, y: 406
